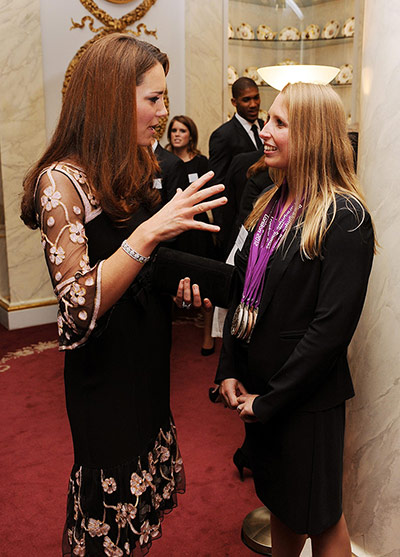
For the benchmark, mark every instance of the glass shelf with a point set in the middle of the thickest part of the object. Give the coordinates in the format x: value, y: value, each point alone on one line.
x: 278, y: 14
x: 340, y: 85
x: 300, y: 44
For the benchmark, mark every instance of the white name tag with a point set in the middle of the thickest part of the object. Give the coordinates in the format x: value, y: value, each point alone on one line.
x: 241, y: 237
x: 240, y: 240
x: 192, y: 177
x: 157, y: 184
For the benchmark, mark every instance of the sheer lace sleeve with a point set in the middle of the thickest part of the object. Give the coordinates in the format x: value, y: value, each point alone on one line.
x: 64, y: 205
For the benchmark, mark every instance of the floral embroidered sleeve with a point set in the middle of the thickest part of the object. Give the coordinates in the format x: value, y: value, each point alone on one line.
x: 64, y: 205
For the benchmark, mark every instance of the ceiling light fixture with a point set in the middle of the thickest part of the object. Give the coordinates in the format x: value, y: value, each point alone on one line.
x: 279, y: 76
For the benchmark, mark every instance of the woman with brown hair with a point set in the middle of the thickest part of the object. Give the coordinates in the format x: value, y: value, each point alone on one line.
x: 91, y: 196
x: 182, y: 141
x: 304, y: 270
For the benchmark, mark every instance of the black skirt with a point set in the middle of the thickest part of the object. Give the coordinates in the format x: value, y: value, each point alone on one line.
x: 297, y: 464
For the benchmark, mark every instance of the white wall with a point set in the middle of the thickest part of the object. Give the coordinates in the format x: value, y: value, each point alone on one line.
x: 372, y: 455
x: 60, y: 44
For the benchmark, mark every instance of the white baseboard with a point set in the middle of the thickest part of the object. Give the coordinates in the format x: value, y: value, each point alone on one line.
x: 28, y: 317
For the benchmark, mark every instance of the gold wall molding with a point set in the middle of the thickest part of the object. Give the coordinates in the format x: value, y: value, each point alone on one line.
x: 119, y: 1
x: 6, y: 306
x: 113, y: 25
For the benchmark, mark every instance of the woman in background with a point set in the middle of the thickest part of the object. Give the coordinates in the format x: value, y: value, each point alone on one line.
x: 91, y: 196
x: 304, y: 270
x: 182, y: 141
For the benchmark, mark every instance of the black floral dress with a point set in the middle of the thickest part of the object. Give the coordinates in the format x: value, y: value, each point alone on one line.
x: 127, y: 466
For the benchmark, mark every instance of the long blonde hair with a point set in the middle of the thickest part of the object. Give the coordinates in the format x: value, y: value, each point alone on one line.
x: 320, y: 162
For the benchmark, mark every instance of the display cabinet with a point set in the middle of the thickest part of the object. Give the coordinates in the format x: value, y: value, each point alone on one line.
x: 270, y: 32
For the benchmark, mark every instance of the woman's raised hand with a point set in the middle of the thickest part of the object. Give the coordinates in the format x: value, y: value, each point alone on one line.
x: 177, y: 216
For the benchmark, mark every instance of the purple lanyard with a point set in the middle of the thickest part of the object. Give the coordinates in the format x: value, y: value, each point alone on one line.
x: 270, y: 230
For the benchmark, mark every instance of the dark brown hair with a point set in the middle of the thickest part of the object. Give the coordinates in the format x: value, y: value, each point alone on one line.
x: 191, y: 126
x: 97, y: 127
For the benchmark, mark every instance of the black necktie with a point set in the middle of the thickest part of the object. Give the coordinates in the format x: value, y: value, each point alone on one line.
x: 254, y: 129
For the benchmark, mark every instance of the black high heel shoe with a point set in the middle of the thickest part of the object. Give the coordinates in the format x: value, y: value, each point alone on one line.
x: 240, y: 461
x: 208, y: 351
x: 213, y: 394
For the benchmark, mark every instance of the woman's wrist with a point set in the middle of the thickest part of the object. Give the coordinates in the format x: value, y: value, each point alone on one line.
x: 143, y: 240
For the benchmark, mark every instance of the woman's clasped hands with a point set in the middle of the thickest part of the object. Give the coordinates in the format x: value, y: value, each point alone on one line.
x: 237, y: 398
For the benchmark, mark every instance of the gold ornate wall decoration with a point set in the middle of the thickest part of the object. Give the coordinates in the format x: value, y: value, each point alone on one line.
x: 113, y: 25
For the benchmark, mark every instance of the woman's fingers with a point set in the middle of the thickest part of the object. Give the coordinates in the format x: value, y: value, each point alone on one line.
x: 187, y: 293
x: 187, y: 296
x: 183, y: 298
x: 197, y: 302
x: 228, y: 392
x: 179, y: 294
x: 204, y: 206
x: 197, y: 197
x: 200, y: 182
x: 178, y: 215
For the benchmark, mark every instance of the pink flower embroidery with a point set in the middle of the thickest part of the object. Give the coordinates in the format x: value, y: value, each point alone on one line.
x: 109, y: 485
x: 77, y: 294
x: 125, y: 512
x: 77, y: 233
x: 164, y: 454
x: 110, y: 549
x: 50, y: 199
x: 97, y: 528
x: 80, y: 549
x: 57, y: 255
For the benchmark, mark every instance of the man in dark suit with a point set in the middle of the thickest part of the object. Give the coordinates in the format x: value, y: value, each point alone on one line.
x: 173, y: 173
x: 235, y: 181
x: 240, y: 134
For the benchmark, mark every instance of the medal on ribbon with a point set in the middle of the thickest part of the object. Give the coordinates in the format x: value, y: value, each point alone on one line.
x: 269, y: 233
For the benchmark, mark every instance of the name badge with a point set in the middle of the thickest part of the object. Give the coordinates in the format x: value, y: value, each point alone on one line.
x: 157, y: 184
x: 241, y: 237
x: 192, y: 177
x: 239, y: 242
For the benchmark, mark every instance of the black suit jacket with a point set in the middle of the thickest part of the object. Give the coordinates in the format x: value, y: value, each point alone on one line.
x: 173, y: 173
x: 255, y: 186
x: 225, y: 142
x: 235, y: 182
x: 297, y: 356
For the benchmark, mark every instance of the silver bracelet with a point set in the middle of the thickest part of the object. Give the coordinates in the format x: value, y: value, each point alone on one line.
x: 134, y: 254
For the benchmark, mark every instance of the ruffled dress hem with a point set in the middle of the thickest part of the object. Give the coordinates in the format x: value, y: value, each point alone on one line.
x: 127, y: 502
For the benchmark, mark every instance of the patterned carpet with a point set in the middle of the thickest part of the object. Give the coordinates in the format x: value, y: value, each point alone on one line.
x: 36, y: 451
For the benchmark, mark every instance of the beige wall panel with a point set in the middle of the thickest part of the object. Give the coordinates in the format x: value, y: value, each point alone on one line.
x: 205, y: 36
x: 372, y: 463
x: 22, y: 132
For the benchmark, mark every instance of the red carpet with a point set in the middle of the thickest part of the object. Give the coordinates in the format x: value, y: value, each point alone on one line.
x: 36, y: 452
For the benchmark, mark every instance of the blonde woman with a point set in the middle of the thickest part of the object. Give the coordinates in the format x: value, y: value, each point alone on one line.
x: 304, y: 269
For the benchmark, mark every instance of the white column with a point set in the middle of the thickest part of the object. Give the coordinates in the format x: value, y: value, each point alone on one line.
x: 24, y: 278
x: 205, y: 37
x: 372, y: 455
